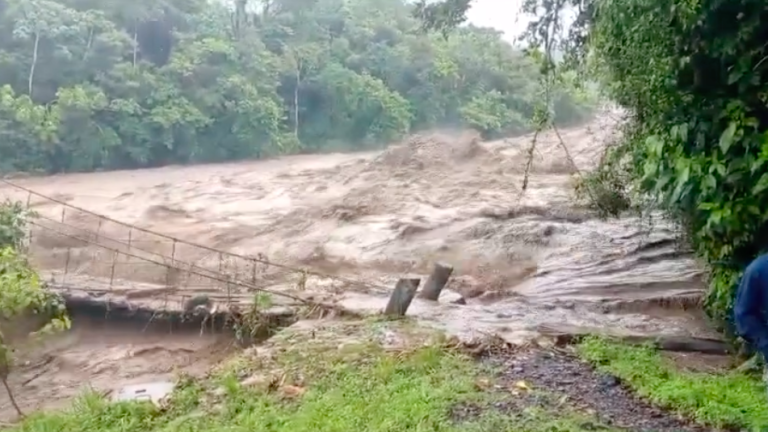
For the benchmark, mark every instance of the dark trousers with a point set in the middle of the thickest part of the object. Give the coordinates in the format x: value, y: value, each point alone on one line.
x: 751, y: 305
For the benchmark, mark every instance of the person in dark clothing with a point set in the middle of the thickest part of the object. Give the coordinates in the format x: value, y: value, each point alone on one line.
x: 750, y: 308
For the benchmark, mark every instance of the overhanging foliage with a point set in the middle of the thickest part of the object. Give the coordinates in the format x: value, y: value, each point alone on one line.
x: 694, y: 77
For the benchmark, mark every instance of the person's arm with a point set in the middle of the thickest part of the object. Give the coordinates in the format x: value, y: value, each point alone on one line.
x: 751, y: 305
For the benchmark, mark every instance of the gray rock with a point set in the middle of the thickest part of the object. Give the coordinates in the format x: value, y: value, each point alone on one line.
x: 448, y: 296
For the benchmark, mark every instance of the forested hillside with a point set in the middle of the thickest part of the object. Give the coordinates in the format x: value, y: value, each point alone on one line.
x: 119, y: 84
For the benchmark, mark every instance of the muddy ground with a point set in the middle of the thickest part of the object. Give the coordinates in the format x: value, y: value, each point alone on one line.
x: 105, y: 354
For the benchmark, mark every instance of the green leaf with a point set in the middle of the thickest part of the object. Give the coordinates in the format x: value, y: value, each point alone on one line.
x: 734, y: 76
x: 761, y: 185
x: 655, y: 145
x: 726, y: 139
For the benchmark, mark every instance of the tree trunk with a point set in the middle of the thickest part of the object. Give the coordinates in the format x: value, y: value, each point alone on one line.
x: 10, y: 396
x: 678, y: 343
x: 296, y: 100
x: 240, y: 17
x: 31, y: 79
x: 88, y: 44
x: 135, y: 41
x: 237, y: 21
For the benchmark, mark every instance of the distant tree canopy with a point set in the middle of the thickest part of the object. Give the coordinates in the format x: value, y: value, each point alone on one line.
x: 108, y: 84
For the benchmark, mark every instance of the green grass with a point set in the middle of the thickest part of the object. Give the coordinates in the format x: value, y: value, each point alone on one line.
x: 728, y: 400
x: 363, y: 389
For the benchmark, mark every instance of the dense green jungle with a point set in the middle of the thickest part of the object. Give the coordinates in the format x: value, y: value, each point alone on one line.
x: 90, y: 85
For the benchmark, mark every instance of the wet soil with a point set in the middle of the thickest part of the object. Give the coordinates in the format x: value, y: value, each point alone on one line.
x: 557, y: 379
x: 103, y: 354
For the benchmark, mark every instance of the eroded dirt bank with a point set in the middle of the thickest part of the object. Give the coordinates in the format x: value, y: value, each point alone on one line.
x: 525, y: 260
x: 104, y: 352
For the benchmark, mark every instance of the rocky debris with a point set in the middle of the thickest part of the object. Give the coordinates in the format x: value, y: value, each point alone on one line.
x: 448, y: 296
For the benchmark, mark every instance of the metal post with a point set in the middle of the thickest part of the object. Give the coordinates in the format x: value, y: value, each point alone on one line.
x: 98, y: 228
x: 115, y: 257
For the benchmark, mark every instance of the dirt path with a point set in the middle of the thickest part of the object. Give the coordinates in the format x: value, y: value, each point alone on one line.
x: 568, y: 380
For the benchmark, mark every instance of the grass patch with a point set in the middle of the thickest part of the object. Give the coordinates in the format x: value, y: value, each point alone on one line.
x: 729, y: 400
x: 354, y: 387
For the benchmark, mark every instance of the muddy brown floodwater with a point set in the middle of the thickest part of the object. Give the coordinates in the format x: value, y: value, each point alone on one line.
x: 106, y: 354
x: 523, y: 260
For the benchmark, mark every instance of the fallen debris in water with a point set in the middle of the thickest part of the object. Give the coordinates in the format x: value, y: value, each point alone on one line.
x: 155, y: 392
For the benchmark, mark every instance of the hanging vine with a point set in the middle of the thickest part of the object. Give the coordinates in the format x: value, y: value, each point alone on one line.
x: 544, y: 35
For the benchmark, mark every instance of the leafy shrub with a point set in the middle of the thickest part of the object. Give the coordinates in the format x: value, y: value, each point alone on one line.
x: 13, y: 224
x: 21, y: 291
x: 698, y: 89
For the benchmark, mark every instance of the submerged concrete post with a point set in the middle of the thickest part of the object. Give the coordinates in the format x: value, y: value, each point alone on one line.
x: 436, y: 282
x: 401, y: 297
